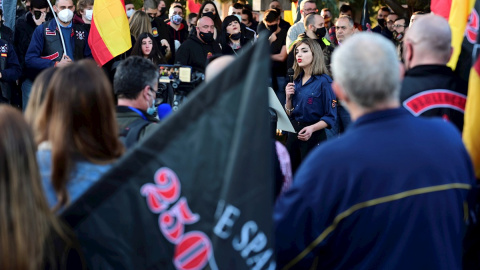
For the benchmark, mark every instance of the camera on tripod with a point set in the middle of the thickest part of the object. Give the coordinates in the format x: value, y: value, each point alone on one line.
x: 175, y: 83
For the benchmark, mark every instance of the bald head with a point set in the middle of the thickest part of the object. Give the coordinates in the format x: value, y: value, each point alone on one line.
x: 205, y: 25
x: 216, y: 66
x: 428, y: 41
x: 373, y: 87
x: 204, y: 20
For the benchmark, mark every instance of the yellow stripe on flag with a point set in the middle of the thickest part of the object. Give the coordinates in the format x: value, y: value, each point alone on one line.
x: 112, y: 24
x: 471, y: 126
x: 458, y: 22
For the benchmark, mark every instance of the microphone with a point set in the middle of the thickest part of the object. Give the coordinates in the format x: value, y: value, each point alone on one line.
x: 290, y: 73
x: 163, y: 110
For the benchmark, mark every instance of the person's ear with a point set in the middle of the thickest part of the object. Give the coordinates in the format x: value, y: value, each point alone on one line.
x: 401, y: 70
x: 145, y: 91
x: 450, y: 54
x: 339, y: 92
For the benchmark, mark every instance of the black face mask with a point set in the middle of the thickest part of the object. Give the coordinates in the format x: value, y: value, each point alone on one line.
x: 320, y: 32
x: 209, y: 14
x: 272, y: 28
x: 37, y: 14
x: 163, y: 10
x: 236, y: 36
x: 207, y: 37
x: 381, y: 22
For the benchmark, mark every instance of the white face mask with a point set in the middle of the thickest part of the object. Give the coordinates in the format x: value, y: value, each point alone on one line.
x: 130, y: 12
x: 65, y: 15
x: 238, y: 16
x: 89, y: 14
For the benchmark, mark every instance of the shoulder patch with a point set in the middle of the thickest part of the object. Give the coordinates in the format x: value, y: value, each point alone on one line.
x: 49, y: 32
x: 4, y: 49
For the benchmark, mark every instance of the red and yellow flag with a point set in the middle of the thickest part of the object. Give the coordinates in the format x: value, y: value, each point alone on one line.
x: 471, y: 127
x: 109, y: 34
x: 458, y: 21
x: 193, y: 7
x: 441, y: 7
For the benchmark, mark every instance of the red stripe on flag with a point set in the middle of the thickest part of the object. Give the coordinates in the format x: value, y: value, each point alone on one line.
x: 477, y: 66
x: 441, y: 7
x: 100, y: 52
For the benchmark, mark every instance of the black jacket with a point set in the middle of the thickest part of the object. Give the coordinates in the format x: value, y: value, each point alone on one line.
x: 283, y: 24
x: 434, y: 90
x: 24, y: 29
x: 194, y: 52
x: 6, y: 33
x: 161, y: 31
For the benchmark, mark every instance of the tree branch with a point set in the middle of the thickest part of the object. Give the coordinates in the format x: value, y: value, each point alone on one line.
x: 397, y: 8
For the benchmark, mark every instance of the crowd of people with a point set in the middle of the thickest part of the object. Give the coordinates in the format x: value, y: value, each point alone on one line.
x: 376, y: 184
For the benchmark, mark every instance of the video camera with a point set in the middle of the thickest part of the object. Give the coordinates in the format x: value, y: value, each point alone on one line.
x: 175, y: 83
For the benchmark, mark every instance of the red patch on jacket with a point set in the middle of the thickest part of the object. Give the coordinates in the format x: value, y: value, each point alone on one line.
x: 50, y: 57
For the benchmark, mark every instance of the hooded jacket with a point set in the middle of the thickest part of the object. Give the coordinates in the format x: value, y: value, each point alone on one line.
x: 195, y: 53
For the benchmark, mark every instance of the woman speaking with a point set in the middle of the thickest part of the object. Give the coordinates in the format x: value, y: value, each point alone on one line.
x: 310, y: 101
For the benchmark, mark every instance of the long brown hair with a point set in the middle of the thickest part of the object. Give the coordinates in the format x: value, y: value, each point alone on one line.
x: 26, y: 222
x: 37, y: 95
x: 139, y: 23
x: 318, y: 62
x: 78, y: 119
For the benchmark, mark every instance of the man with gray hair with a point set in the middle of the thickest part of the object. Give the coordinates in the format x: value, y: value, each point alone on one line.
x: 430, y: 87
x: 135, y: 84
x: 344, y: 28
x: 398, y: 199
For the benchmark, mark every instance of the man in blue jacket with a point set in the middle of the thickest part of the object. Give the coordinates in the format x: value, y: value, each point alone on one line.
x: 390, y: 193
x: 46, y: 50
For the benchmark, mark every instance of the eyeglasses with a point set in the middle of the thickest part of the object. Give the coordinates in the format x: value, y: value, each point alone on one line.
x: 398, y: 25
x: 341, y: 27
x: 308, y: 10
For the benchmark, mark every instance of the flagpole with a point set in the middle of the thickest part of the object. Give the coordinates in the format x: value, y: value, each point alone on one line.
x: 58, y: 25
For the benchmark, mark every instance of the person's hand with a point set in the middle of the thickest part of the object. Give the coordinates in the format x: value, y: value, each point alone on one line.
x: 164, y: 42
x: 40, y: 20
x: 64, y: 62
x: 272, y: 38
x: 306, y: 133
x: 290, y: 90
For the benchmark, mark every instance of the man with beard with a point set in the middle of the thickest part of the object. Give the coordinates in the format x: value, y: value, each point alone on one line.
x: 382, y: 15
x: 430, y: 88
x: 388, y: 31
x: 399, y: 28
x: 197, y: 49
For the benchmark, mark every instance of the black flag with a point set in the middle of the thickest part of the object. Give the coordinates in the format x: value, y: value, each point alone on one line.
x: 365, y: 21
x: 198, y: 192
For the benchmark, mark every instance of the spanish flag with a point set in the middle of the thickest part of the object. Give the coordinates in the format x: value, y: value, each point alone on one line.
x: 109, y: 34
x: 459, y: 13
x: 471, y: 127
x: 441, y: 7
